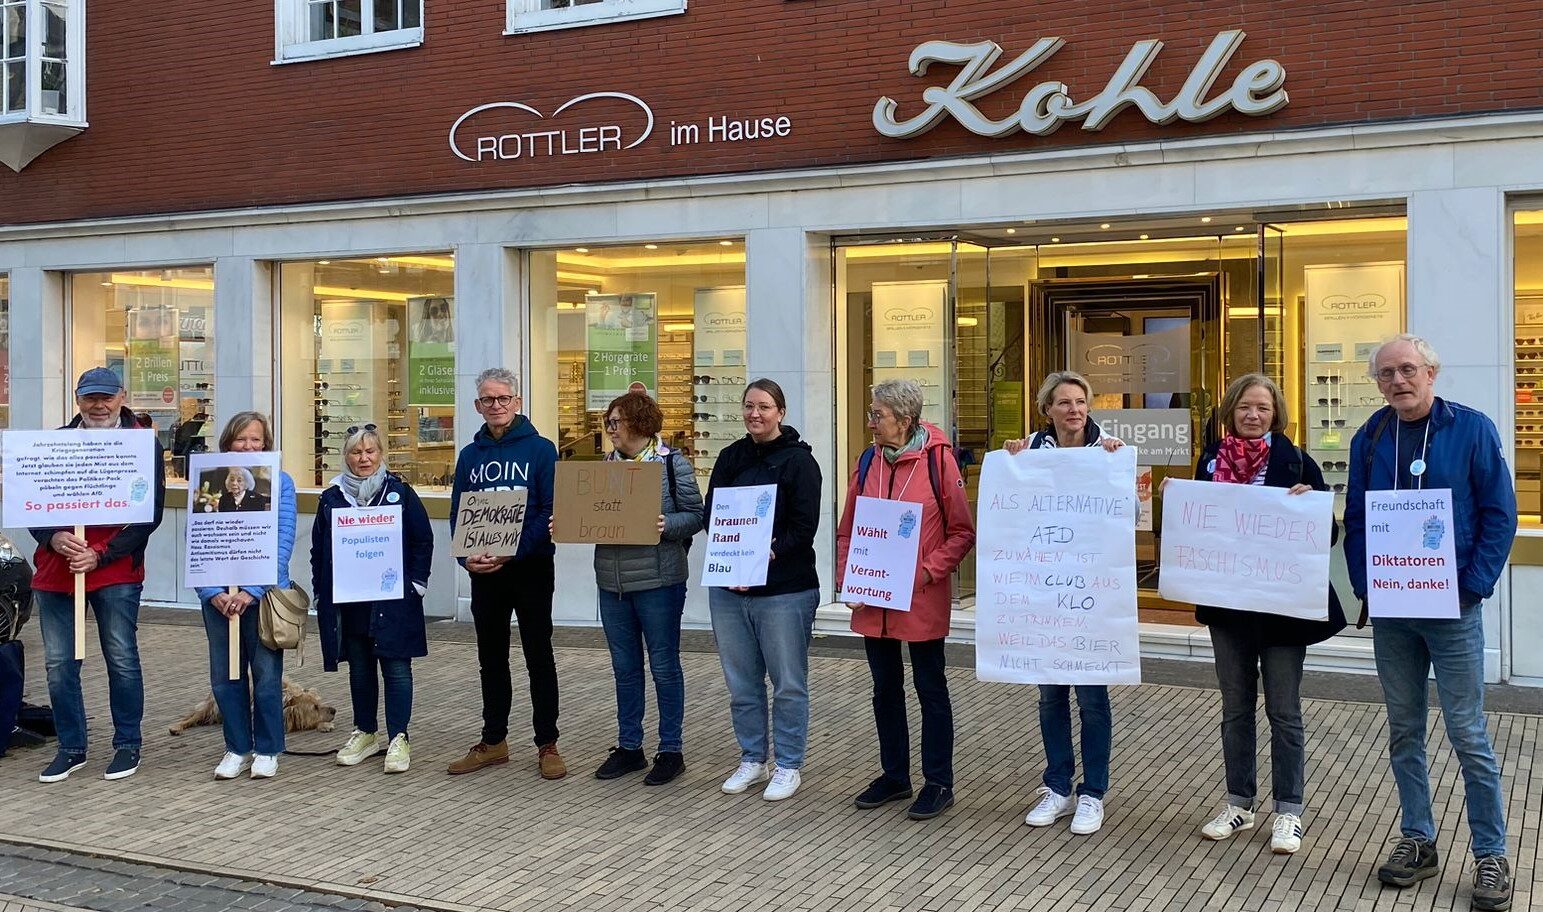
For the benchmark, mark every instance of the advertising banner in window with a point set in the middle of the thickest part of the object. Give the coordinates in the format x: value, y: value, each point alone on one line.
x: 1155, y: 362
x: 430, y: 352
x: 621, y: 337
x: 1160, y: 436
x: 720, y: 326
x: 152, y: 357
x: 908, y: 338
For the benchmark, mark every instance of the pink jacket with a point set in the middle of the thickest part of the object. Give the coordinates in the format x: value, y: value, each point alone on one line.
x: 941, y: 550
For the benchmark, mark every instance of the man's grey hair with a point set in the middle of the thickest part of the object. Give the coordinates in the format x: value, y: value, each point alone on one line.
x: 1421, y: 347
x: 499, y: 375
x: 903, y: 397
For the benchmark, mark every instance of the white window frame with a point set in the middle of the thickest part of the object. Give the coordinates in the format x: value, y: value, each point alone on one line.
x: 74, y: 62
x: 291, y: 42
x: 528, y: 16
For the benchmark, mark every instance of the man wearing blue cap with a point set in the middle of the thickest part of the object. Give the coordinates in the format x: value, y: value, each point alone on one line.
x: 113, y: 560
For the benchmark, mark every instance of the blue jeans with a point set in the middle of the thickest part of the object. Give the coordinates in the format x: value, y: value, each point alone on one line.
x: 251, y: 709
x: 1407, y: 649
x: 1055, y: 727
x: 117, y: 623
x: 364, y: 687
x: 761, y: 636
x: 633, y: 620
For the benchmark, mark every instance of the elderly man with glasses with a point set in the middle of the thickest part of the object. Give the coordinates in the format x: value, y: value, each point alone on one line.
x: 1421, y: 442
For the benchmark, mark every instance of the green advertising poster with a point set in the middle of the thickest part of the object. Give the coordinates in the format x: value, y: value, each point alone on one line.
x: 430, y: 352
x: 621, y: 335
x: 151, y: 357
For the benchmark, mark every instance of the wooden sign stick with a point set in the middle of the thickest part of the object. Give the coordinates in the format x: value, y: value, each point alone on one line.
x: 235, y: 639
x: 80, y: 605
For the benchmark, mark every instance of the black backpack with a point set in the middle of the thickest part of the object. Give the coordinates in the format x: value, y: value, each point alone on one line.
x: 15, y: 591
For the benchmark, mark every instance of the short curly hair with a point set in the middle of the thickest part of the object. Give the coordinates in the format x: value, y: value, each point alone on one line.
x: 640, y: 411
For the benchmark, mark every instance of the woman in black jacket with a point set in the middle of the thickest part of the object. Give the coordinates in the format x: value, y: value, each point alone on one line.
x: 1255, y: 450
x: 764, y: 631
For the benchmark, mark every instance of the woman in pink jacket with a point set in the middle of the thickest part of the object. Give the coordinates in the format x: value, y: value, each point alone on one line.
x: 911, y: 460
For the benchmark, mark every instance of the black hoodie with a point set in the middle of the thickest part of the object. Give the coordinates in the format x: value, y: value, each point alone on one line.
x: 788, y: 463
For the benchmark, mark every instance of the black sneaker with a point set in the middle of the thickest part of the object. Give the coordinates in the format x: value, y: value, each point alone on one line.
x: 623, y: 760
x: 1410, y: 862
x: 667, y: 765
x: 933, y: 800
x: 1492, y: 884
x: 64, y: 764
x: 880, y: 792
x: 125, y: 764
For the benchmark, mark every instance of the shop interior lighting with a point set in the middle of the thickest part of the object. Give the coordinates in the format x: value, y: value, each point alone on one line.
x: 679, y: 327
x: 1055, y: 240
x: 1105, y: 226
x: 581, y: 250
x: 1012, y: 231
x: 1205, y: 219
x: 650, y: 246
x: 1145, y: 236
x: 966, y: 321
x: 725, y: 243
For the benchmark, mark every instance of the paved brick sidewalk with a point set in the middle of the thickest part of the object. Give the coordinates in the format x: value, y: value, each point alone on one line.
x: 505, y: 839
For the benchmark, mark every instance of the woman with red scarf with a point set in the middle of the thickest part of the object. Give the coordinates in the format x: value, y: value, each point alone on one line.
x: 1256, y: 451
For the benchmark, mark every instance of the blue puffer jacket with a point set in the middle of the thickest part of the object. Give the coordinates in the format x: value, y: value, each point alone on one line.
x: 286, y: 543
x: 1464, y: 455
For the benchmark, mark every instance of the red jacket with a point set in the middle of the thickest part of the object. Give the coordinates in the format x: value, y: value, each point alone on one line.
x: 121, y: 548
x: 940, y: 551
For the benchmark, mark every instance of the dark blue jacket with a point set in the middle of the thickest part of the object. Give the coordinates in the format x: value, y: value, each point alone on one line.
x: 1464, y: 454
x: 397, y: 626
x: 519, y: 459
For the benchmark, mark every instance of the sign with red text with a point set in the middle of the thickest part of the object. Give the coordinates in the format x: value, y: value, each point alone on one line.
x: 880, y: 568
x: 1055, y: 567
x: 1411, y: 567
x: 1247, y: 547
x: 739, y: 533
x: 78, y: 476
x: 367, y: 554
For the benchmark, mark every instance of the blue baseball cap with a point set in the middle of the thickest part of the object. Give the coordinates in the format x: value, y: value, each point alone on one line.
x: 98, y: 381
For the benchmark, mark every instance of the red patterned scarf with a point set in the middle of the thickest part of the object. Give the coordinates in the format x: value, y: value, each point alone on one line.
x: 1240, y: 459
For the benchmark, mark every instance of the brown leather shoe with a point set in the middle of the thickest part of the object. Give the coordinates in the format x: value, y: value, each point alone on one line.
x: 479, y: 756
x: 551, y: 762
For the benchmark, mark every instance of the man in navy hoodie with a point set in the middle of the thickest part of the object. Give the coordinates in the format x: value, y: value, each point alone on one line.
x: 507, y: 453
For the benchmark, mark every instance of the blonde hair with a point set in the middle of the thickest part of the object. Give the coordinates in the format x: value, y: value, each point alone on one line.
x: 364, y: 432
x: 1046, y: 396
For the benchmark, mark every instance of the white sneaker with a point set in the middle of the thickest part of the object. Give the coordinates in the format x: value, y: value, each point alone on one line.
x: 784, y: 782
x: 232, y: 765
x: 1231, y: 819
x: 747, y: 775
x: 265, y: 766
x: 1287, y: 837
x: 1089, y: 817
x: 398, y: 755
x: 361, y: 746
x: 1051, y: 808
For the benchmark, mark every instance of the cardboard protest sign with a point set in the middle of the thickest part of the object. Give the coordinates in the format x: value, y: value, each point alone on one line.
x: 78, y: 477
x: 739, y: 533
x: 367, y: 554
x: 1056, y: 568
x: 1411, y: 566
x: 615, y: 502
x: 233, y: 520
x: 1247, y: 547
x: 881, y: 559
x: 489, y: 522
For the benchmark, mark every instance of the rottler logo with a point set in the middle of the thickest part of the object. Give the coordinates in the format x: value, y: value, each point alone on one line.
x: 553, y: 138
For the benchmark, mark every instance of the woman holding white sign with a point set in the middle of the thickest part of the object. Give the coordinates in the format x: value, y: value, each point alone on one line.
x: 1256, y: 451
x: 389, y: 631
x: 909, y: 461
x: 252, y: 707
x: 1064, y: 399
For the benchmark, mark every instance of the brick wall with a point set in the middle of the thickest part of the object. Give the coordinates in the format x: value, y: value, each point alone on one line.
x: 187, y: 113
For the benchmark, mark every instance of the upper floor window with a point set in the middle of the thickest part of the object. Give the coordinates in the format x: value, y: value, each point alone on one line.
x: 42, y: 76
x: 537, y: 15
x: 313, y: 29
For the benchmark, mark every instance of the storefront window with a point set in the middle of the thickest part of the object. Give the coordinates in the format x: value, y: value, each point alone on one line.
x: 669, y: 317
x: 5, y: 350
x: 155, y: 329
x: 1529, y: 363
x: 369, y: 341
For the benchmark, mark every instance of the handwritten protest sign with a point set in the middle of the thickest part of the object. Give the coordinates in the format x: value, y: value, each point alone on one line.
x: 1056, y: 568
x: 613, y: 503
x: 1411, y: 568
x: 489, y: 522
x: 367, y: 554
x: 1247, y: 547
x: 233, y: 527
x: 881, y: 559
x: 76, y: 477
x: 739, y: 533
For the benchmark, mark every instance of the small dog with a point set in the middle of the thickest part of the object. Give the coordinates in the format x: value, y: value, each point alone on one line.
x: 303, y: 711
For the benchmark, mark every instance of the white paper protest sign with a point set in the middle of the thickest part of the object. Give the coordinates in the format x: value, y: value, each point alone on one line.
x: 78, y: 477
x: 881, y: 558
x: 1411, y: 566
x: 367, y: 554
x: 739, y: 534
x: 233, y: 520
x: 1055, y: 563
x: 1247, y: 547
